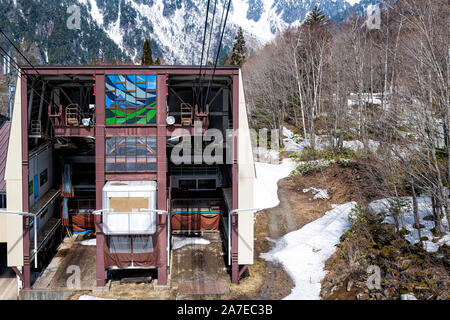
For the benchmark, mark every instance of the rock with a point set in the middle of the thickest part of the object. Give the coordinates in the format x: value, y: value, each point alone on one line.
x: 362, y: 296
x: 443, y: 296
x: 349, y: 285
x: 408, y: 296
x: 420, y: 288
x: 405, y: 264
x: 378, y: 296
x: 389, y: 293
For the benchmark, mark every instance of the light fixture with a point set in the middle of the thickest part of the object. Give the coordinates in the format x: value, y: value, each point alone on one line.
x: 170, y: 120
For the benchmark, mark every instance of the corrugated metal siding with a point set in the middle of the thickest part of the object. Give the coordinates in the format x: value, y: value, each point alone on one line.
x: 4, y: 139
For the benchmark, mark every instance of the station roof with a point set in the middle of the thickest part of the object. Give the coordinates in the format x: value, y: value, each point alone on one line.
x: 168, y: 68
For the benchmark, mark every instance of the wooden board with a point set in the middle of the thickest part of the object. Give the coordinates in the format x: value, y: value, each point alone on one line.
x: 128, y: 204
x: 203, y: 287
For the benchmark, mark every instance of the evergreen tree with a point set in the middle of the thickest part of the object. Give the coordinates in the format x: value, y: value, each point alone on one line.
x: 239, y: 52
x: 147, y: 59
x: 224, y: 60
x: 316, y: 18
x: 157, y: 61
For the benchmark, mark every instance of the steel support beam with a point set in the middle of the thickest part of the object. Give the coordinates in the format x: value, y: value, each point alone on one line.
x: 161, y: 88
x: 25, y: 200
x: 101, y: 273
x: 235, y: 185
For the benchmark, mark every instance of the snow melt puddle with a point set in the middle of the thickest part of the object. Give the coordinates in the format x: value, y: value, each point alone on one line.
x: 424, y: 209
x: 179, y: 241
x: 303, y: 252
x: 318, y: 193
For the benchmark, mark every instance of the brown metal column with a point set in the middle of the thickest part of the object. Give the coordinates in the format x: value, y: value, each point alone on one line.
x: 235, y: 174
x: 161, y: 86
x: 25, y: 201
x: 101, y: 274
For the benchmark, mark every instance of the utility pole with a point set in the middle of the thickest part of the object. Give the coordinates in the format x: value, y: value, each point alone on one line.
x: 7, y: 70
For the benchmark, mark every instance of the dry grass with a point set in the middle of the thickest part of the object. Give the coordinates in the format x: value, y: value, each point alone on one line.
x: 129, y: 291
x: 404, y: 268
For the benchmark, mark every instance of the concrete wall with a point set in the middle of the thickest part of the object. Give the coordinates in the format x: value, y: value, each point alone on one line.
x: 13, y: 178
x: 246, y: 181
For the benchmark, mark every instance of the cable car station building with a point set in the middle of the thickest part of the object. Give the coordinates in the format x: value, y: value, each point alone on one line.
x: 97, y: 148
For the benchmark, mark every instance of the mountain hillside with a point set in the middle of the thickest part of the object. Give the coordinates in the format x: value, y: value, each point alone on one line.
x: 115, y: 29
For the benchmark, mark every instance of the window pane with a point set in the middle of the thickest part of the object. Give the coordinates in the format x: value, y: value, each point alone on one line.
x: 151, y: 82
x: 142, y: 244
x: 131, y: 82
x: 130, y: 154
x: 130, y: 99
x: 118, y: 244
x: 43, y: 177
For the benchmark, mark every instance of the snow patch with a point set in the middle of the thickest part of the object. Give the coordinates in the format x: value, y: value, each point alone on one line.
x: 90, y: 242
x: 425, y: 209
x: 303, y: 252
x: 179, y: 241
x: 265, y: 191
x: 318, y: 193
x: 94, y: 11
x: 262, y: 27
x: 408, y: 296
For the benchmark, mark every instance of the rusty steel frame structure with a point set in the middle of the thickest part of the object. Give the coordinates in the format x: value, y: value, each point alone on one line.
x: 101, y: 131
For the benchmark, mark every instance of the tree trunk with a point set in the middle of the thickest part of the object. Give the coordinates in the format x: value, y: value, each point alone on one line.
x: 416, y: 213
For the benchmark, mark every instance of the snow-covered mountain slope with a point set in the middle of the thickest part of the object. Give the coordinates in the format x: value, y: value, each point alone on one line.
x: 175, y: 27
x: 264, y: 18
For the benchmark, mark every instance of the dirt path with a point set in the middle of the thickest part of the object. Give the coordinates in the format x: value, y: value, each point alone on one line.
x: 297, y: 209
x: 281, y: 222
x: 281, y: 218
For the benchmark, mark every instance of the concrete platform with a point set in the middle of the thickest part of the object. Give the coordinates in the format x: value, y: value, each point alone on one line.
x: 8, y: 284
x: 59, y: 279
x: 8, y: 279
x: 200, y: 268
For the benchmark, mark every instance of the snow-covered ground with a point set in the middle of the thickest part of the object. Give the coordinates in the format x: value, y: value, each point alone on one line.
x: 356, y: 145
x: 89, y: 242
x: 294, y: 143
x: 318, y: 193
x: 265, y: 191
x: 366, y: 97
x: 179, y: 241
x: 425, y: 209
x: 303, y: 252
